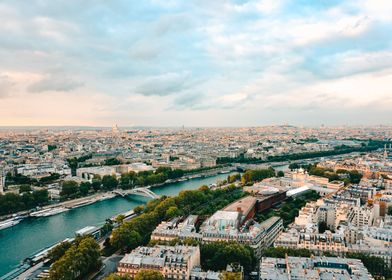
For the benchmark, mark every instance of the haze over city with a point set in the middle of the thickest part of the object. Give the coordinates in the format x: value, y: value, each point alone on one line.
x: 195, y: 63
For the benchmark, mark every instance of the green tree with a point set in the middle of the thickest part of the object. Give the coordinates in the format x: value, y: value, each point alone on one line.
x: 109, y: 182
x: 96, y: 183
x: 51, y: 147
x: 112, y: 161
x: 322, y: 227
x: 138, y: 209
x: 293, y: 166
x: 18, y: 179
x: 126, y: 238
x: 127, y: 180
x: 172, y: 212
x: 355, y: 176
x: 114, y: 276
x: 82, y: 258
x: 120, y: 219
x: 69, y: 189
x: 27, y: 201
x: 217, y: 255
x: 41, y: 197
x: 84, y: 188
x: 232, y: 178
x: 107, y: 227
x: 74, y: 162
x: 280, y: 252
x: 149, y: 274
x: 24, y: 188
x: 11, y: 202
x: 251, y: 176
x: 280, y: 173
x: 200, y: 202
x: 226, y: 275
x: 57, y: 252
x: 49, y: 179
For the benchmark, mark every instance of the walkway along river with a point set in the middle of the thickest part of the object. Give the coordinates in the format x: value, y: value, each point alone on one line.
x: 34, y: 234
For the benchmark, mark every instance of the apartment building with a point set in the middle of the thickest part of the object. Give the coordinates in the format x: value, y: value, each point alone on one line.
x: 317, y: 242
x: 174, y: 262
x: 360, y: 216
x: 314, y: 268
x: 233, y: 223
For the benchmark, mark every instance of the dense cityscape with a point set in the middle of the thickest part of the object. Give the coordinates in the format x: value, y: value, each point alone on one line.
x: 287, y: 197
x: 196, y: 140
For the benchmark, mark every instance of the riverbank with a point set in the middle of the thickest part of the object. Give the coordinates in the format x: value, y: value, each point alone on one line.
x: 70, y: 204
x: 93, y: 198
x: 32, y: 235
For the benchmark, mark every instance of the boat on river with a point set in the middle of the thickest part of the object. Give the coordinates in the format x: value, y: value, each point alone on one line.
x: 82, y: 203
x: 49, y: 212
x: 9, y: 223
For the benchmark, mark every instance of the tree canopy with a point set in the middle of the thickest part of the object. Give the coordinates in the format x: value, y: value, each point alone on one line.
x: 204, y: 201
x: 217, y: 255
x: 114, y: 276
x: 69, y: 189
x: 251, y: 176
x: 11, y: 202
x: 78, y: 261
x: 149, y: 274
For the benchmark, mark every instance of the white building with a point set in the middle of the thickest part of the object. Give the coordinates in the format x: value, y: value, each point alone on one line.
x: 323, y: 268
x: 361, y: 216
x: 173, y: 262
x: 88, y: 173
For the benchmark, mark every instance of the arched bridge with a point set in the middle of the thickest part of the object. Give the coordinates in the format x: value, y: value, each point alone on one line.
x: 137, y: 191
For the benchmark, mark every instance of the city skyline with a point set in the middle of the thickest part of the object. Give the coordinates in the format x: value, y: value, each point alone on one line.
x: 196, y: 139
x: 195, y: 63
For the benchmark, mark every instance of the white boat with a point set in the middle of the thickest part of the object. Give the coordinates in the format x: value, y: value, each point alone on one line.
x: 48, y: 212
x: 82, y: 203
x: 105, y: 197
x: 195, y: 176
x: 9, y: 223
x: 182, y: 179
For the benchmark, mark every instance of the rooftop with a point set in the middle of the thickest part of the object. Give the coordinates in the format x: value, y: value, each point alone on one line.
x: 159, y: 256
x: 244, y: 204
x: 313, y: 268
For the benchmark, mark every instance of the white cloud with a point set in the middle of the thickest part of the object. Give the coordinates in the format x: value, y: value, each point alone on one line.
x: 268, y: 6
x: 174, y: 57
x: 380, y: 10
x: 352, y: 62
x: 54, y: 29
x: 55, y: 82
x: 5, y: 86
x: 164, y: 84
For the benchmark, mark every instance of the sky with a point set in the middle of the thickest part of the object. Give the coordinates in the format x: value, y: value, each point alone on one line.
x: 195, y: 62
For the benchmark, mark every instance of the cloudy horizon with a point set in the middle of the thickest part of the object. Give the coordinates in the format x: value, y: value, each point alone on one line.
x: 195, y: 63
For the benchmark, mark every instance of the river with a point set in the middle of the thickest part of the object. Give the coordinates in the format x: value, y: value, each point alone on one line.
x: 34, y: 234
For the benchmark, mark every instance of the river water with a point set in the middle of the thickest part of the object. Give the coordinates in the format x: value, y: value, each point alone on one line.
x: 34, y: 234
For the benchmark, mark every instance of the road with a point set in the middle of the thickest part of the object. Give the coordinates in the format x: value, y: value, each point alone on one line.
x: 110, y: 265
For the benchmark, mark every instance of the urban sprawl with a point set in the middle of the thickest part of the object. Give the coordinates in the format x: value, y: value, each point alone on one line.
x: 297, y: 202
